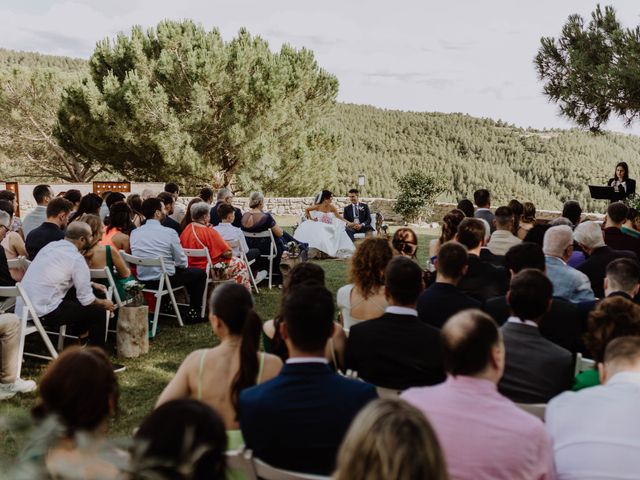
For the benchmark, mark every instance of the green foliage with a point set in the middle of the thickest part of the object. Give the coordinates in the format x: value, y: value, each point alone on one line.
x: 178, y: 102
x: 592, y: 71
x: 417, y: 191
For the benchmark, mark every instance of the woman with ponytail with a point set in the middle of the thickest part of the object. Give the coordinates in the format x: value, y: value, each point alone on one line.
x: 216, y: 376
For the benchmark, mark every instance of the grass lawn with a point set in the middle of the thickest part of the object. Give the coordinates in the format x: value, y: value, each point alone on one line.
x: 146, y: 376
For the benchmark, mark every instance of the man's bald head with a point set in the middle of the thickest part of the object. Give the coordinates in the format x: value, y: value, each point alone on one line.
x: 77, y: 230
x: 468, y: 339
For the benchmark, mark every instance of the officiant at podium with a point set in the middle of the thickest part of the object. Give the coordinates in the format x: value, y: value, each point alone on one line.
x: 623, y: 185
x: 357, y: 215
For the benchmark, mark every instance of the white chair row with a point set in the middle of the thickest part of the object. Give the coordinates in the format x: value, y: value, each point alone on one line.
x: 254, y: 468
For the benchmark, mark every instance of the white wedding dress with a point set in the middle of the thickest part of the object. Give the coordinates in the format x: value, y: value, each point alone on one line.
x: 327, y: 234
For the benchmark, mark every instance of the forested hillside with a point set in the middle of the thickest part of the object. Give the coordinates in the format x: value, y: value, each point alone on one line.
x: 467, y: 153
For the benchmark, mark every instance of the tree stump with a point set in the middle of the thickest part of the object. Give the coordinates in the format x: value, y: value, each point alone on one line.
x: 132, y: 336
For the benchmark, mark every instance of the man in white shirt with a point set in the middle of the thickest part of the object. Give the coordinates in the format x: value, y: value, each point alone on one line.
x: 42, y: 195
x: 152, y: 240
x: 595, y: 430
x: 502, y: 239
x: 57, y: 269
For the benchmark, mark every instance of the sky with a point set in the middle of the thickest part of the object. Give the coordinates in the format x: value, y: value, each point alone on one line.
x: 470, y: 56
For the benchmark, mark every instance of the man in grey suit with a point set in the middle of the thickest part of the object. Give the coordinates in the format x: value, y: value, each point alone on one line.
x: 482, y: 199
x: 536, y: 369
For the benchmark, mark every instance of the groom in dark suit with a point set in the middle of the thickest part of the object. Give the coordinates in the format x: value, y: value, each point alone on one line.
x: 357, y: 215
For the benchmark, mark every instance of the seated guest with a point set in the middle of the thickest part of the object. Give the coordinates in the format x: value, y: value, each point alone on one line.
x: 198, y: 236
x: 168, y: 202
x: 516, y: 209
x: 397, y: 350
x: 364, y: 298
x: 216, y: 376
x: 186, y: 220
x: 405, y: 242
x: 370, y: 449
x: 90, y: 204
x: 568, y: 283
x: 180, y: 436
x: 443, y: 299
x: 6, y: 280
x: 13, y: 243
x: 631, y: 225
x: 536, y: 369
x: 482, y: 198
x: 622, y: 278
x: 572, y: 211
x: 450, y: 224
x: 16, y: 224
x: 536, y: 234
x: 482, y: 434
x: 225, y: 196
x: 119, y: 229
x: 206, y: 194
x: 226, y: 214
x: 52, y: 230
x: 595, y: 431
x: 562, y: 324
x: 178, y: 208
x: 482, y: 279
x: 58, y: 267
x: 614, y: 237
x: 502, y: 239
x: 80, y: 389
x: 10, y: 383
x: 465, y: 205
x: 135, y: 204
x: 297, y: 420
x: 74, y: 196
x: 42, y: 194
x: 256, y: 220
x: 305, y: 273
x: 527, y: 220
x: 357, y: 215
x: 152, y: 240
x: 589, y: 237
x: 613, y: 317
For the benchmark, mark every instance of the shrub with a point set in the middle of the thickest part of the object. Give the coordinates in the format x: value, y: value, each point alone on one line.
x: 417, y: 193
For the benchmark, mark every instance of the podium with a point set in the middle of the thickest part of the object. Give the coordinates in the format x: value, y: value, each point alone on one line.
x: 598, y: 192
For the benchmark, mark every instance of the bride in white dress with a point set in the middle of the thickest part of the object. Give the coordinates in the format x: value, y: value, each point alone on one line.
x: 325, y: 228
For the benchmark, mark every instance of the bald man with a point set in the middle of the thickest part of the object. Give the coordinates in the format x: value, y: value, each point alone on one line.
x: 59, y: 285
x: 482, y: 433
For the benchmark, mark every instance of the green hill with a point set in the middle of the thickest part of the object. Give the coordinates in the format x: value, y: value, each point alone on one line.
x: 545, y: 167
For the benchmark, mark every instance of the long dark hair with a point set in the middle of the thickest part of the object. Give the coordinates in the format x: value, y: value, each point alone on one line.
x: 322, y: 196
x: 120, y: 218
x: 232, y: 304
x: 186, y: 220
x: 626, y: 171
x: 90, y: 204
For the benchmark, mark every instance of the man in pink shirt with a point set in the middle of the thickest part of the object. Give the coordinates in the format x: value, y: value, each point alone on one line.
x: 483, y: 434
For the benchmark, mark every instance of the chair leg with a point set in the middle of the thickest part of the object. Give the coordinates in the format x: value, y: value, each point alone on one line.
x: 253, y: 279
x: 270, y: 272
x: 156, y: 314
x: 204, y: 296
x: 175, y: 304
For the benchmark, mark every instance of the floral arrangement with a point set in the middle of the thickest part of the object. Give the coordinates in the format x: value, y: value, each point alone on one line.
x: 293, y: 249
x: 133, y: 291
x: 219, y: 270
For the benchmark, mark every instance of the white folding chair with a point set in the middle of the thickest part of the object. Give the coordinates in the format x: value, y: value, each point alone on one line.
x: 29, y: 322
x: 202, y: 253
x: 164, y: 287
x: 535, y: 409
x: 112, y: 292
x: 384, y: 392
x: 273, y: 252
x: 235, y: 244
x: 254, y: 468
x: 583, y: 364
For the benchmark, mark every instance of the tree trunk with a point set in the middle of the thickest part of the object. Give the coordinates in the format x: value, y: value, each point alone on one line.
x: 133, y: 331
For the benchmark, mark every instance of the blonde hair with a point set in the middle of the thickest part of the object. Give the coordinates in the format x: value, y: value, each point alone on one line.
x: 390, y: 439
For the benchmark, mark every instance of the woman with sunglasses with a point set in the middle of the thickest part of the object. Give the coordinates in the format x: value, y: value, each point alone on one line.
x: 405, y: 243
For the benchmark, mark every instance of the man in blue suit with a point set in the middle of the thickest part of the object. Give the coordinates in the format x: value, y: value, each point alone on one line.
x: 357, y: 215
x: 297, y: 420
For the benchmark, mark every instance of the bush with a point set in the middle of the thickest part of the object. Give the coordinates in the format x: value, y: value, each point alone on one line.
x: 418, y: 191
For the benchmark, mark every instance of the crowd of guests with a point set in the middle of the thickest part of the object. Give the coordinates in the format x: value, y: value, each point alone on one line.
x: 460, y: 352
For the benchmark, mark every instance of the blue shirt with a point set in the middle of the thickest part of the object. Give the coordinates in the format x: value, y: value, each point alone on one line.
x: 152, y: 240
x: 34, y: 219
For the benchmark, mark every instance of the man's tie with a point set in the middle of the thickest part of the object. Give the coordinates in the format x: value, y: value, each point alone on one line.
x: 355, y: 211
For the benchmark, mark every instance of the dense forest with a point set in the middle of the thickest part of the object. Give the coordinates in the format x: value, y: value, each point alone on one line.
x: 466, y: 153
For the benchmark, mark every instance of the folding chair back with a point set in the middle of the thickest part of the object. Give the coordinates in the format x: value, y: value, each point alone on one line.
x: 26, y: 327
x: 164, y: 287
x: 583, y: 364
x: 202, y: 253
x: 236, y: 245
x: 535, y: 409
x: 273, y: 251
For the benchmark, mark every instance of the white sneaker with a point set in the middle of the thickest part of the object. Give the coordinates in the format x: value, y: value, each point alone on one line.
x: 261, y: 275
x: 8, y: 390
